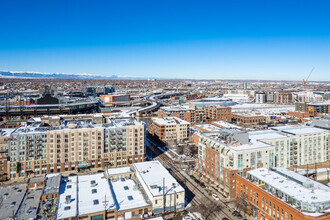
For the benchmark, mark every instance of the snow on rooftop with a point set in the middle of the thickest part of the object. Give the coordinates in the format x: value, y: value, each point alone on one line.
x: 152, y: 174
x: 118, y: 170
x: 209, y: 127
x: 300, y: 177
x: 6, y: 131
x: 299, y: 130
x: 176, y: 108
x: 128, y: 195
x: 93, y: 190
x: 170, y: 121
x: 266, y: 134
x: 263, y: 108
x: 123, y: 122
x: 67, y: 203
x: 226, y: 124
x: 292, y: 188
x: 84, y: 193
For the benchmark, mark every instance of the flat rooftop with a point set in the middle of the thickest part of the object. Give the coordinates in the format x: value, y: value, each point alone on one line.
x: 4, y: 132
x: 30, y: 204
x: 208, y: 127
x: 67, y: 203
x: 176, y: 109
x: 247, y: 114
x: 170, y: 121
x: 224, y: 124
x: 291, y: 187
x: 82, y: 195
x: 299, y: 130
x: 52, y: 184
x: 10, y: 200
x: 128, y: 195
x: 122, y: 122
x: 91, y: 196
x: 119, y: 170
x: 256, y: 139
x: 152, y: 174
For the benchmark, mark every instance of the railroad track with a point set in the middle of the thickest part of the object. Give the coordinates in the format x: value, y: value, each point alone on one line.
x: 199, y: 193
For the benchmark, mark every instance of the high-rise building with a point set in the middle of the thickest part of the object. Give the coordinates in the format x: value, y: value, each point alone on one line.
x: 37, y: 149
x: 260, y: 97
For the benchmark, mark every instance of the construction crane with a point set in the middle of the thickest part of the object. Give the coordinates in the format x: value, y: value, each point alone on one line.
x: 305, y: 83
x: 310, y: 73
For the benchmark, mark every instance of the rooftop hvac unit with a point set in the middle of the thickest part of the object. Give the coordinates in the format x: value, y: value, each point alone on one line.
x: 308, y: 184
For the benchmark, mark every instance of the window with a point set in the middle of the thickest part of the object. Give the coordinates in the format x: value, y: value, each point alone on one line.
x: 96, y: 202
x: 66, y: 208
x: 69, y: 187
x: 125, y: 187
x: 94, y: 191
x: 130, y: 197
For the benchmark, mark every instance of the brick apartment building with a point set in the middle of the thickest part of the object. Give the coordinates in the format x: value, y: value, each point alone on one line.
x: 224, y: 154
x: 282, y: 194
x: 248, y: 118
x: 170, y: 129
x: 206, y: 114
x: 218, y: 113
x: 193, y: 116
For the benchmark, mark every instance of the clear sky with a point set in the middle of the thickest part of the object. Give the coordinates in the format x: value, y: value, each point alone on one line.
x: 221, y: 39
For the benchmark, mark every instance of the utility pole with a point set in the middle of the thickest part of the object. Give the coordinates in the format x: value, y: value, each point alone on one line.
x: 164, y: 200
x: 105, y: 206
x: 174, y: 201
x: 315, y: 176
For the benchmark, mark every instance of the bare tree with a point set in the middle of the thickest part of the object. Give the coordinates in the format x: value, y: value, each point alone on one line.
x: 242, y: 202
x: 207, y: 207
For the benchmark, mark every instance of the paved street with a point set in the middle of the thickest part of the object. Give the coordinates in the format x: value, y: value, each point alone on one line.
x: 195, y: 194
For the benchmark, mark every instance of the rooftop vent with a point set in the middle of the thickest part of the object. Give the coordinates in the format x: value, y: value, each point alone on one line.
x: 308, y: 184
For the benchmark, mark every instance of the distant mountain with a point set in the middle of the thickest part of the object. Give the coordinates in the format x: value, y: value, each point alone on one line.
x: 38, y: 75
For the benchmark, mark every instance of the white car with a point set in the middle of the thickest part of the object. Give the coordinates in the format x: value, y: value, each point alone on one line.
x: 215, y: 197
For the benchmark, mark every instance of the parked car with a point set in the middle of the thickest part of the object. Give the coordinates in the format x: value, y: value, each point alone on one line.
x: 237, y: 214
x: 215, y: 197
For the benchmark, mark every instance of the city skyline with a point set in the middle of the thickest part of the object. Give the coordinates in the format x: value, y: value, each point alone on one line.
x: 186, y: 40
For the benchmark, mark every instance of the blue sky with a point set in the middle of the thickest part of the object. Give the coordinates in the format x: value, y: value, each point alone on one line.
x: 250, y: 39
